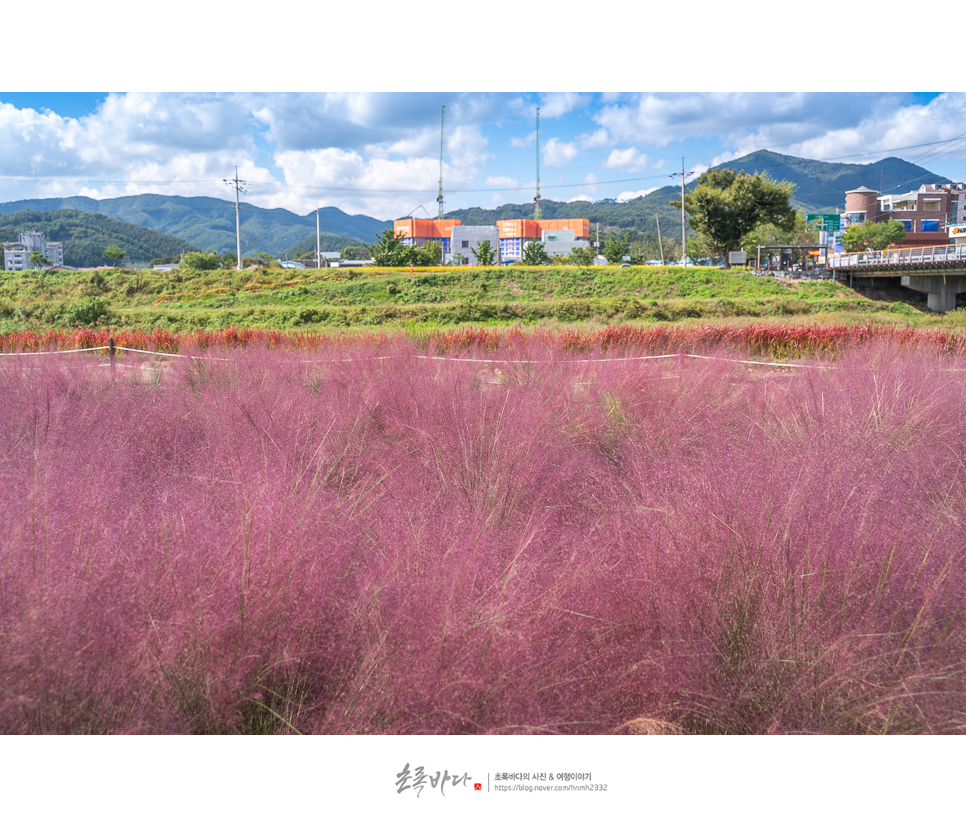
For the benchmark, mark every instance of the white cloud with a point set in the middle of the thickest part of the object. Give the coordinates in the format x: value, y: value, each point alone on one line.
x: 597, y: 139
x: 379, y: 187
x: 626, y: 159
x: 554, y: 105
x: 624, y: 196
x: 132, y: 143
x: 557, y: 154
x: 467, y: 148
x: 378, y: 153
x: 659, y: 119
x: 915, y: 133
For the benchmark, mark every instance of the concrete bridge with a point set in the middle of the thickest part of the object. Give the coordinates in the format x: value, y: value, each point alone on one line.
x: 938, y: 271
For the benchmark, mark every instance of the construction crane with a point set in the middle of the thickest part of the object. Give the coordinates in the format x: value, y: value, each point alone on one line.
x: 536, y: 200
x: 439, y: 199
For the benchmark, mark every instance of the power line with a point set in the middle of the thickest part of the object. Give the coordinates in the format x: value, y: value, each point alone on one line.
x: 952, y: 145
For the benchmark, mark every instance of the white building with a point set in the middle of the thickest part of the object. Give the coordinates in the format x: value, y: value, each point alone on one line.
x: 16, y: 256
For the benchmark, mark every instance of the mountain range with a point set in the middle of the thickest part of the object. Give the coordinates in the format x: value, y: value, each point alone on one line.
x: 819, y: 189
x: 208, y: 223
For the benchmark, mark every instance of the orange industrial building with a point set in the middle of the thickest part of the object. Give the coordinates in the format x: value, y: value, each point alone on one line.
x: 419, y: 232
x: 513, y: 234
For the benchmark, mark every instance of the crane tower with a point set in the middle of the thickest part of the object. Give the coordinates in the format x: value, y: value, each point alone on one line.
x: 536, y: 200
x: 439, y: 199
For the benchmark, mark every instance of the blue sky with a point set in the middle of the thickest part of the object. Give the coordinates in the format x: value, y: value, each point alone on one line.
x: 378, y: 153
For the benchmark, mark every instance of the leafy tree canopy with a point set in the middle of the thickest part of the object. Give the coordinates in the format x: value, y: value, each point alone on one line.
x: 615, y: 248
x: 535, y: 254
x: 484, y: 253
x: 433, y: 252
x: 726, y: 205
x: 872, y: 236
x: 114, y: 253
x: 768, y: 234
x: 388, y: 249
x: 202, y: 260
x: 582, y: 255
x: 39, y: 260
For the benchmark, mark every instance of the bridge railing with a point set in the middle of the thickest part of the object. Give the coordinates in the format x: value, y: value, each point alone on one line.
x: 913, y: 255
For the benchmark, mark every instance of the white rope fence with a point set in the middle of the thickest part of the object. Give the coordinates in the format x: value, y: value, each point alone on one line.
x: 113, y: 348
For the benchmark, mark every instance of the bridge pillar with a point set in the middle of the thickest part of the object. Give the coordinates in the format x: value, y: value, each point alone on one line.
x: 941, y: 289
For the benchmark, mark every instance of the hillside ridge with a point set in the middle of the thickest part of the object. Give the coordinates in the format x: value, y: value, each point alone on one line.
x: 208, y: 223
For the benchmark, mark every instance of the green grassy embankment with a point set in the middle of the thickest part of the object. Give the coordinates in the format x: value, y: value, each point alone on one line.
x: 435, y: 297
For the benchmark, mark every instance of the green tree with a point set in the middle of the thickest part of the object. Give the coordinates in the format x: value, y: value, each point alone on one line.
x: 535, y: 254
x: 202, y: 261
x: 354, y: 253
x: 872, y: 236
x: 484, y: 253
x: 114, y: 253
x: 388, y: 250
x: 725, y: 205
x: 582, y: 256
x: 434, y: 253
x: 39, y: 260
x: 768, y: 233
x: 615, y: 248
x: 415, y: 256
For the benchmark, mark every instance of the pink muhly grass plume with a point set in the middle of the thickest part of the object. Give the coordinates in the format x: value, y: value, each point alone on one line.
x: 379, y: 539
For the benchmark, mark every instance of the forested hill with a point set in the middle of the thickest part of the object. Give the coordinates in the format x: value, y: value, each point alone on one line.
x: 86, y: 235
x: 819, y: 188
x: 209, y: 222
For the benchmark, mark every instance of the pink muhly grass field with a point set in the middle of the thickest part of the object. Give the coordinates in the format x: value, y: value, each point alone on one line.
x: 292, y: 542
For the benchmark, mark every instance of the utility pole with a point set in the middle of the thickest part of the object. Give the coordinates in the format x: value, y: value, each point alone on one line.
x: 684, y: 222
x: 239, y: 187
x: 318, y: 241
x: 660, y: 242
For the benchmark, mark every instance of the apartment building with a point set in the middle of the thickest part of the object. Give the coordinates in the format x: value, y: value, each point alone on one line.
x: 16, y: 256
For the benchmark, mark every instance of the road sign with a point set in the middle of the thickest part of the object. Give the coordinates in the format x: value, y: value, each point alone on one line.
x: 827, y: 222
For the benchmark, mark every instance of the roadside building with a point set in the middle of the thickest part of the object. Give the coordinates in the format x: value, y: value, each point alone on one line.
x: 926, y: 213
x: 16, y: 256
x: 467, y: 238
x: 562, y: 241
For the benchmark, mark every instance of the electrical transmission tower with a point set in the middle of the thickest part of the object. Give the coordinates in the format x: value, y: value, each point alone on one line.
x: 239, y: 186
